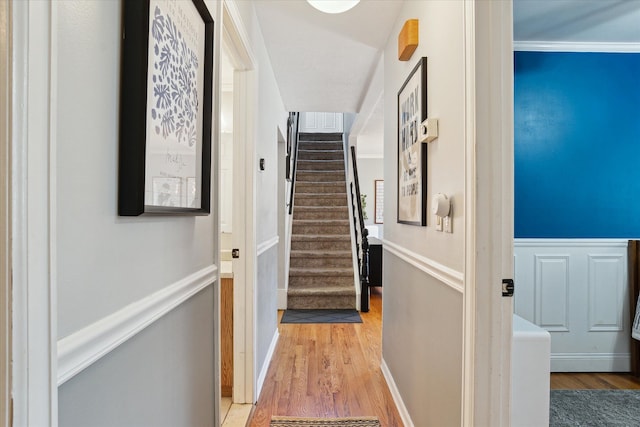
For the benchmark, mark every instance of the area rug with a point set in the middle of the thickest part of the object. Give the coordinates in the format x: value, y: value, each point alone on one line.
x: 594, y: 408
x: 324, y: 422
x: 321, y: 316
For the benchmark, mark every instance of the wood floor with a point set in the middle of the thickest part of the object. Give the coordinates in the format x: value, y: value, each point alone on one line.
x: 328, y: 370
x: 594, y: 381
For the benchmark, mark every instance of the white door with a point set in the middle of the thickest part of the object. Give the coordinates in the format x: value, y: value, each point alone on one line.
x: 321, y: 123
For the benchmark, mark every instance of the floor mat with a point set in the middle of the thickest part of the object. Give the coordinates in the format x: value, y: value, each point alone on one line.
x: 321, y: 316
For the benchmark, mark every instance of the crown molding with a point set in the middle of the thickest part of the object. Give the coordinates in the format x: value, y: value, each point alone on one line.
x: 552, y: 46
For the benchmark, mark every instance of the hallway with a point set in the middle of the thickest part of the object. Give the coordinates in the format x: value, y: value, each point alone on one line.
x: 328, y: 370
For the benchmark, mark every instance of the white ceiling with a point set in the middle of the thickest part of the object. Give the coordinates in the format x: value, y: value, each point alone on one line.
x: 326, y: 62
x: 582, y: 21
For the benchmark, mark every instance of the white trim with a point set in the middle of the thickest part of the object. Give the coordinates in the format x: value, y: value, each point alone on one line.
x: 452, y: 278
x: 238, y: 36
x: 265, y: 246
x: 81, y: 349
x: 553, y: 46
x: 395, y: 393
x: 532, y: 243
x: 282, y: 299
x: 370, y: 156
x: 5, y: 214
x: 34, y: 304
x: 590, y: 362
x: 267, y: 360
x: 469, y: 318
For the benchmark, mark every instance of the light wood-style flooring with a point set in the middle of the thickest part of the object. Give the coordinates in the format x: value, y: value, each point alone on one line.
x: 328, y: 370
x: 594, y: 381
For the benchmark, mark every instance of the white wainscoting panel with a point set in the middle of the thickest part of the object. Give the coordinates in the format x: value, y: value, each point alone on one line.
x: 577, y: 290
x: 552, y: 296
x: 606, y: 293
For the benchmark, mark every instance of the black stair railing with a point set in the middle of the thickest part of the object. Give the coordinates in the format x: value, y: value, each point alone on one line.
x: 363, y: 246
x: 292, y: 154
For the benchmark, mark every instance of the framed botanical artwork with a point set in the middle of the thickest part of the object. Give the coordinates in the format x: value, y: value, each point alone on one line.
x: 412, y: 154
x: 379, y: 201
x: 165, y: 108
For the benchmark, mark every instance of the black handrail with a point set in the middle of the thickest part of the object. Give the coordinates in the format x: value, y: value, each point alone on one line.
x: 364, y: 249
x: 292, y: 149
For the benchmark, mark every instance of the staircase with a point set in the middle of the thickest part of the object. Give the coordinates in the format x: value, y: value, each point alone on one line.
x: 321, y: 272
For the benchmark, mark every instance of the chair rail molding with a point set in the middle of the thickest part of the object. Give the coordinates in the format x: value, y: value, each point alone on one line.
x: 452, y: 278
x: 84, y: 347
x: 266, y: 245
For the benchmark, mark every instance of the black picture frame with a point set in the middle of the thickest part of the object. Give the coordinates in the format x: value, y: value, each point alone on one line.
x: 165, y: 108
x: 412, y: 154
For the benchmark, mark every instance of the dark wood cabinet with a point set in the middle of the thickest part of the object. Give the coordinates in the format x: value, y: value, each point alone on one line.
x: 375, y: 262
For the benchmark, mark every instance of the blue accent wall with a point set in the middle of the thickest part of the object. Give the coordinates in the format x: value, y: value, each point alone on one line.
x: 577, y: 145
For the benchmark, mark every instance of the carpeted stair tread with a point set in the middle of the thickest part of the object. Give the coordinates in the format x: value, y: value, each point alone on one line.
x: 326, y: 290
x: 323, y: 221
x: 321, y: 237
x: 320, y: 196
x: 338, y: 184
x: 321, y: 208
x: 323, y: 271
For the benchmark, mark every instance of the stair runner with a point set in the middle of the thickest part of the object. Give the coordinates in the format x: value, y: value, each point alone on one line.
x: 321, y: 272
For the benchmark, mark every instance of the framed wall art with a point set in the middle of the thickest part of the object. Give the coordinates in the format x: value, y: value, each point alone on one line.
x: 412, y: 154
x: 165, y: 108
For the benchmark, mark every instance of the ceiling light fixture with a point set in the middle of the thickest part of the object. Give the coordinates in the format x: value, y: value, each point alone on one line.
x: 333, y: 6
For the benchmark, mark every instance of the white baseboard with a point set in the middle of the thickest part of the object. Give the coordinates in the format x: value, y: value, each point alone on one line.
x: 397, y: 398
x: 590, y: 362
x: 265, y: 365
x: 282, y: 299
x: 81, y: 349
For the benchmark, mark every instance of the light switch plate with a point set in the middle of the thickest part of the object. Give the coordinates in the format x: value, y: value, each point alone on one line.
x: 447, y: 224
x: 438, y: 223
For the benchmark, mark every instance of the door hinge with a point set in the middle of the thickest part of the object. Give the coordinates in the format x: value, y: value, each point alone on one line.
x: 507, y: 287
x: 235, y: 253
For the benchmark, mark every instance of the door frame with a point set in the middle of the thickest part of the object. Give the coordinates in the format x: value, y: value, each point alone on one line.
x: 33, y: 147
x: 244, y: 220
x: 5, y: 213
x: 488, y: 316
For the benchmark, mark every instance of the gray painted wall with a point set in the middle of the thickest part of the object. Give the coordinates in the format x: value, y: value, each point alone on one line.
x: 422, y: 316
x: 266, y: 305
x: 422, y: 343
x: 164, y: 375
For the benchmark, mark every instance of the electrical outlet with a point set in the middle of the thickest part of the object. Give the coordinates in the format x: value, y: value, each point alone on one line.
x: 448, y: 224
x: 438, y: 223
